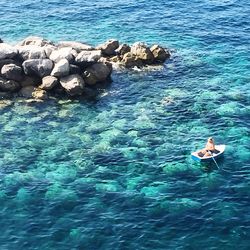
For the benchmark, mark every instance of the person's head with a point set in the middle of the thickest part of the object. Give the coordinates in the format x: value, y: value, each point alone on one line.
x: 210, y: 139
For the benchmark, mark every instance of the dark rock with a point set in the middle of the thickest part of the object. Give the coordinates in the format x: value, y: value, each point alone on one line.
x: 123, y: 49
x: 6, y: 61
x: 27, y: 91
x: 12, y: 72
x: 1, y: 41
x: 8, y: 85
x: 7, y: 51
x: 30, y: 81
x: 160, y: 54
x: 37, y: 67
x: 74, y: 69
x: 48, y: 82
x: 98, y: 72
x: 109, y: 47
x: 73, y: 84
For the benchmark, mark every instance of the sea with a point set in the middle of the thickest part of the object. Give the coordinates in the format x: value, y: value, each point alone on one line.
x: 115, y: 172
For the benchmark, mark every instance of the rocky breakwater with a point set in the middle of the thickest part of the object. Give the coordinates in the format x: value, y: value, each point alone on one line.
x: 37, y: 68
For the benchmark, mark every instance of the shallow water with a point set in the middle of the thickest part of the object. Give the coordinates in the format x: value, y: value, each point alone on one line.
x: 116, y: 172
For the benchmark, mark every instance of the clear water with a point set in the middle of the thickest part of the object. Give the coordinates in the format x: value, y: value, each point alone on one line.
x: 116, y: 173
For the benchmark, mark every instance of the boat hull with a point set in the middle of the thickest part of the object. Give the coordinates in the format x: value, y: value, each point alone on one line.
x: 220, y: 148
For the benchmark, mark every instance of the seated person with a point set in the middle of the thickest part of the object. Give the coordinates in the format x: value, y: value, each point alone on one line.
x: 210, y: 148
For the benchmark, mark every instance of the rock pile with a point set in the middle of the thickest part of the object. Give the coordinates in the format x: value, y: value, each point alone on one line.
x: 36, y: 66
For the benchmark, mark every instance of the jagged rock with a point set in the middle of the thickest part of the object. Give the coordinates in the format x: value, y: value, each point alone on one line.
x: 34, y: 40
x: 98, y: 72
x: 38, y: 67
x: 40, y: 94
x: 30, y: 81
x: 87, y: 57
x: 31, y: 52
x: 7, y: 51
x: 61, y: 68
x: 6, y: 61
x: 73, y: 84
x: 123, y: 49
x: 48, y: 82
x: 109, y: 47
x: 1, y: 41
x: 129, y: 60
x: 75, y: 45
x: 74, y: 69
x: 12, y: 72
x: 63, y: 53
x: 160, y: 54
x: 8, y: 85
x: 142, y: 52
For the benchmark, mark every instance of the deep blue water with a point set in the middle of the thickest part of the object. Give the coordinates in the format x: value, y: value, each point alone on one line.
x: 116, y: 172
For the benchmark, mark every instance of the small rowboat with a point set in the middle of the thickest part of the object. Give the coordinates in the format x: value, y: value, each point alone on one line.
x: 220, y: 148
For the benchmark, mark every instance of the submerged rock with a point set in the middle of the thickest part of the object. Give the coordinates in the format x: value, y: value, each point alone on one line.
x: 12, y: 72
x: 73, y: 84
x: 38, y: 67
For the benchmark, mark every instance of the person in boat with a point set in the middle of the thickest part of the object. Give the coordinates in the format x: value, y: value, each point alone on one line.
x: 209, y: 149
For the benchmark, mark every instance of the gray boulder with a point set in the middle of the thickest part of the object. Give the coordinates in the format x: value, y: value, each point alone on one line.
x: 86, y: 57
x: 35, y: 40
x: 75, y: 45
x: 142, y: 52
x: 123, y: 49
x: 109, y: 47
x: 49, y: 49
x: 61, y: 68
x: 7, y: 51
x: 73, y: 84
x: 38, y: 67
x: 31, y: 52
x: 98, y: 72
x: 8, y: 85
x: 48, y: 82
x: 63, y: 53
x: 130, y: 60
x: 74, y: 69
x: 160, y: 54
x: 12, y: 72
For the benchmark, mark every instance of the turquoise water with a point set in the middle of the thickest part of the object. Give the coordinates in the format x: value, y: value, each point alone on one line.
x: 116, y: 172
